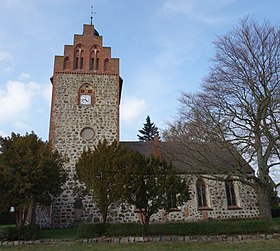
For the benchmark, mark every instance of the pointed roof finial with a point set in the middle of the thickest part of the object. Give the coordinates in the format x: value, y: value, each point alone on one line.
x: 91, y: 14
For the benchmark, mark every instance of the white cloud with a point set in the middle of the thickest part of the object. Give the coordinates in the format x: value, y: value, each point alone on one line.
x: 17, y: 99
x: 132, y: 108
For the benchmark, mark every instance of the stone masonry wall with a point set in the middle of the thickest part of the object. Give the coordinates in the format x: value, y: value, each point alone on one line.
x: 216, y: 197
x: 68, y: 119
x: 217, y: 203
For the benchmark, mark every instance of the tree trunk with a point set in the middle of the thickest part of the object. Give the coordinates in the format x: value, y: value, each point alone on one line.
x: 105, y: 214
x: 18, y: 218
x: 264, y: 203
x: 146, y: 223
x: 21, y: 215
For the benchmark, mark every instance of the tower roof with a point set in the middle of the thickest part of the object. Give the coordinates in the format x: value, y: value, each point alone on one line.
x: 96, y: 33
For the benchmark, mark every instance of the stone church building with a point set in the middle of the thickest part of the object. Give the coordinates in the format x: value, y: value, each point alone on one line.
x: 85, y: 109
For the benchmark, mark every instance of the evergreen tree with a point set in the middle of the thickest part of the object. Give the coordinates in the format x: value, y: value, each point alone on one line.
x: 149, y: 131
x: 30, y: 172
x: 152, y: 185
x: 102, y: 170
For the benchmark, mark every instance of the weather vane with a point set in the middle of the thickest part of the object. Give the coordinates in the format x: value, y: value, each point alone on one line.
x: 91, y: 14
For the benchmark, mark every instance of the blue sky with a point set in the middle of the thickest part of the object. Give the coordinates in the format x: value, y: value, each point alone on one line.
x: 164, y: 46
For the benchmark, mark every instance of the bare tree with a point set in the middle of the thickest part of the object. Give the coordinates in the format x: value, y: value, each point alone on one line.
x: 237, y: 110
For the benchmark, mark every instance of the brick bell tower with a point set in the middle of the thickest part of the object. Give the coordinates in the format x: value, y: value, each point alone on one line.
x: 84, y: 109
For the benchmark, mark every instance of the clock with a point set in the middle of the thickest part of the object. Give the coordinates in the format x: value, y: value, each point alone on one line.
x: 85, y: 99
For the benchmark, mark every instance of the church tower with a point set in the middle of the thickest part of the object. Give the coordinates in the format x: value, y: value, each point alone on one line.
x: 84, y: 109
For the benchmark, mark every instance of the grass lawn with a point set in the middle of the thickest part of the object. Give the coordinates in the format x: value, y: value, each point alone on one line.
x: 270, y: 245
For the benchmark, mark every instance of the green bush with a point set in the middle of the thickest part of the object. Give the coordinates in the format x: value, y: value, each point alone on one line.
x: 28, y: 232
x: 211, y: 227
x: 124, y: 229
x: 228, y: 227
x: 91, y: 230
x: 9, y: 234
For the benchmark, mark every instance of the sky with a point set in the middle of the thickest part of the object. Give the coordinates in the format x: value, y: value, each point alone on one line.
x: 164, y: 47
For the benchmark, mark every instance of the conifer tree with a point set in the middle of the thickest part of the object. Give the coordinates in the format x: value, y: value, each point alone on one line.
x: 152, y: 185
x: 102, y: 172
x: 31, y: 172
x: 149, y: 131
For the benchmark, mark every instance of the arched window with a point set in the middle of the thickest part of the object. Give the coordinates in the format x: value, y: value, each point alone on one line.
x: 66, y: 63
x: 201, y: 193
x: 230, y: 193
x: 82, y: 59
x: 91, y: 67
x: 106, y: 62
x: 79, y: 58
x: 94, y: 58
x: 97, y: 61
x: 76, y: 59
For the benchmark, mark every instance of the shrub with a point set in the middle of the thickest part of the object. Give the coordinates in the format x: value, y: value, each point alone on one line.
x: 9, y: 234
x: 124, y: 229
x: 28, y: 232
x: 91, y: 230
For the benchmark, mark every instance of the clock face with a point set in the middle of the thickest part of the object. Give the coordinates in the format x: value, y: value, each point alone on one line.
x: 85, y: 99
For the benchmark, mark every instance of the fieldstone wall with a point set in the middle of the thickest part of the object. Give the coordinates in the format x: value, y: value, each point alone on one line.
x: 217, y: 208
x: 247, y: 203
x: 216, y: 199
x: 68, y: 119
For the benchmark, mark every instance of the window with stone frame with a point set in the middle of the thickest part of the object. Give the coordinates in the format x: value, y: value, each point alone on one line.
x: 201, y: 194
x: 230, y: 194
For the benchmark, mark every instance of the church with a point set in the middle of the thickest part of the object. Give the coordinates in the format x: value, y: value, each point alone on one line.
x: 86, y: 94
